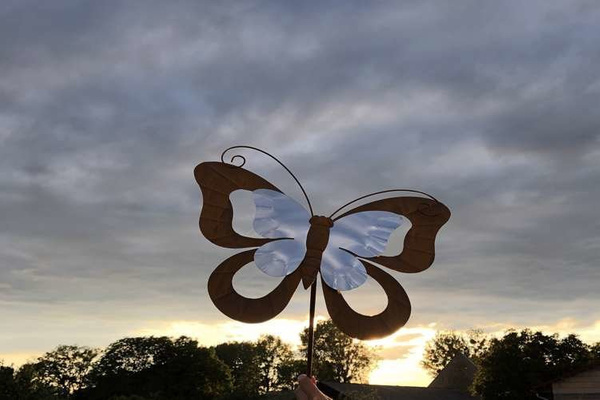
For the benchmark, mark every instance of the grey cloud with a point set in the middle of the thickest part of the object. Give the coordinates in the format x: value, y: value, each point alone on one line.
x: 107, y: 107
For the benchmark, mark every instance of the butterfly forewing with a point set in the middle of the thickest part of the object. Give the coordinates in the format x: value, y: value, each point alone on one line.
x: 279, y: 216
x: 366, y: 233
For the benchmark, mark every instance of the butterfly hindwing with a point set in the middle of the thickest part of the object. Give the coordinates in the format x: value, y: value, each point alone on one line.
x: 341, y: 270
x: 367, y: 327
x: 281, y: 257
x: 244, y: 309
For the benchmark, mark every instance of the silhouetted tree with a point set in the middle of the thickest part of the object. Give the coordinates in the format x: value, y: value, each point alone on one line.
x: 337, y: 356
x: 272, y: 352
x: 254, y: 366
x: 242, y: 360
x: 595, y: 350
x: 64, y: 369
x: 516, y: 365
x: 135, y: 354
x: 288, y: 371
x: 159, y: 368
x: 30, y: 387
x: 440, y: 350
x: 8, y: 385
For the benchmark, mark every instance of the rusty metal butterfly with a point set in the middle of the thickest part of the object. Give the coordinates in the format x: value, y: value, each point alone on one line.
x: 298, y: 246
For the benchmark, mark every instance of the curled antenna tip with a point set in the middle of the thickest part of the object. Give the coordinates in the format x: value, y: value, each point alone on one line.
x: 270, y: 155
x: 232, y: 161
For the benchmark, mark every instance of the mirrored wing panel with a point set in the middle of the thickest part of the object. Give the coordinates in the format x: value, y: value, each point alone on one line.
x: 341, y: 270
x: 281, y: 257
x: 279, y: 216
x: 366, y: 233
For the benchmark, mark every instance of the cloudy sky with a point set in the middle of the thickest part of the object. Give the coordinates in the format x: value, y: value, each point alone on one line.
x: 106, y: 107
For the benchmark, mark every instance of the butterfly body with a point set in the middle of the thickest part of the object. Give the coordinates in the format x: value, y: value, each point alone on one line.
x: 297, y: 246
x: 316, y: 243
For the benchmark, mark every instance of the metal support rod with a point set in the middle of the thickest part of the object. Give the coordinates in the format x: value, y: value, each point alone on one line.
x: 311, y: 329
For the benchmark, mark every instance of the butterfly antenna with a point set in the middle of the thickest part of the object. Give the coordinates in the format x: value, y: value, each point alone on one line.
x: 274, y: 158
x: 382, y: 192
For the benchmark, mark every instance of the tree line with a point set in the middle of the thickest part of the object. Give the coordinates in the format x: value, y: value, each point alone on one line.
x: 517, y: 366
x: 163, y: 368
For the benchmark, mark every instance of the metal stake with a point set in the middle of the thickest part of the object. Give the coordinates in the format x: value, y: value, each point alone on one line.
x: 311, y: 328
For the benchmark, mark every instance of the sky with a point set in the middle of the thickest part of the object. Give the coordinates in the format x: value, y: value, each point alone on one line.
x: 107, y: 107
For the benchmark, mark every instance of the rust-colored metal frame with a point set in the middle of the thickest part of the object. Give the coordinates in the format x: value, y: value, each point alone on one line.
x: 218, y: 180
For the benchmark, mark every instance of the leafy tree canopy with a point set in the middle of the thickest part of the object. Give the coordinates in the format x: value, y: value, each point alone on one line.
x: 288, y: 372
x: 242, y: 360
x: 255, y: 367
x: 520, y: 363
x: 64, y: 369
x: 446, y: 345
x: 337, y: 356
x: 159, y: 368
x: 162, y: 368
x: 272, y: 353
x: 8, y: 386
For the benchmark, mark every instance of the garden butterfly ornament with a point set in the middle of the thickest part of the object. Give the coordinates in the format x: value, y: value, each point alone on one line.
x: 342, y: 251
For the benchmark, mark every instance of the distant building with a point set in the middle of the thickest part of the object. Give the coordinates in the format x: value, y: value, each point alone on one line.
x: 457, y: 375
x: 452, y: 383
x: 583, y: 385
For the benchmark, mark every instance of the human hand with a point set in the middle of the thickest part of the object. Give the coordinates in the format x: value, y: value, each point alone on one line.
x: 307, y: 389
